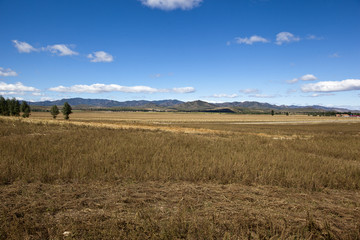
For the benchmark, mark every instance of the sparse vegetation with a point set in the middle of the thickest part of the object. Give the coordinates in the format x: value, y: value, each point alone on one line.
x: 191, y: 179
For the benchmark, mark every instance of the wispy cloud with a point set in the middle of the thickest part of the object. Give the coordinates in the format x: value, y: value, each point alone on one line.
x: 286, y: 37
x: 307, y: 77
x: 250, y: 90
x: 332, y: 86
x: 251, y: 40
x: 334, y: 55
x: 157, y: 75
x: 100, y: 56
x: 321, y: 94
x: 224, y: 96
x: 172, y: 4
x: 23, y: 47
x: 17, y: 88
x: 7, y: 72
x: 262, y: 96
x: 60, y: 50
x: 290, y: 91
x: 181, y: 90
x: 313, y: 37
x: 102, y: 88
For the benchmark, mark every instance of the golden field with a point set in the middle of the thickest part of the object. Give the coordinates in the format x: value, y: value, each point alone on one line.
x: 105, y: 175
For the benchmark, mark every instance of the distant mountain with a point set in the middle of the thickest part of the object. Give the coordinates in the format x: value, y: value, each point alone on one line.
x: 176, y: 105
x: 195, y: 106
x: 107, y: 103
x: 251, y: 105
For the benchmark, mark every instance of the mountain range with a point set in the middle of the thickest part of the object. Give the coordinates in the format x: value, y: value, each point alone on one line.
x: 176, y: 105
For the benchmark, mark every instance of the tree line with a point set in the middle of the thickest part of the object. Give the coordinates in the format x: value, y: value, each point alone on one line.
x: 12, y: 107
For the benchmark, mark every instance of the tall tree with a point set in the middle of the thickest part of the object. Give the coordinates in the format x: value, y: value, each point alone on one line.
x: 54, y: 111
x: 14, y: 107
x: 66, y: 110
x: 25, y: 109
x: 7, y: 107
x: 2, y: 105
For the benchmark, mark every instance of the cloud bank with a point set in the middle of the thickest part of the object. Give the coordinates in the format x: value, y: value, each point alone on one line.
x: 169, y: 5
x: 332, y: 86
x: 16, y: 88
x: 102, y: 88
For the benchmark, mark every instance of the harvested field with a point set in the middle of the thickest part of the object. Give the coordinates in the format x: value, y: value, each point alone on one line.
x: 173, y: 176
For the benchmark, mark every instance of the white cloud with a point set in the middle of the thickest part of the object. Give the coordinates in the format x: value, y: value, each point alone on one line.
x: 17, y: 88
x: 171, y: 4
x: 23, y: 47
x: 306, y: 77
x: 251, y: 40
x: 7, y: 72
x: 262, y: 96
x: 183, y: 90
x: 249, y: 90
x: 321, y: 94
x: 60, y: 49
x: 101, y: 88
x: 286, y: 37
x: 332, y: 86
x: 100, y: 56
x: 224, y: 96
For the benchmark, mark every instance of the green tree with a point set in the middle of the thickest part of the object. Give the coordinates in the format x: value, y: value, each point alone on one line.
x: 3, y: 106
x: 54, y: 111
x: 7, y: 107
x: 14, y: 107
x: 25, y: 109
x: 66, y: 110
x: 272, y: 112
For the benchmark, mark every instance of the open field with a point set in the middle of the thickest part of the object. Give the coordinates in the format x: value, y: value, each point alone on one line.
x: 172, y: 176
x: 163, y: 117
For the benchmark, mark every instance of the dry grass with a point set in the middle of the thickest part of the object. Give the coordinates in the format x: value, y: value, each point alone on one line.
x: 163, y: 118
x: 153, y: 210
x: 183, y: 178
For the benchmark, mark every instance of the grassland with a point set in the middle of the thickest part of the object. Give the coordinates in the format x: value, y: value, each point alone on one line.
x: 179, y: 176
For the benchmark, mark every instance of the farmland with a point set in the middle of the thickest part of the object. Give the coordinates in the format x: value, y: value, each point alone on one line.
x: 106, y: 175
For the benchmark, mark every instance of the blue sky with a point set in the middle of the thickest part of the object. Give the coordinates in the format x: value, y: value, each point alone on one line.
x: 301, y: 52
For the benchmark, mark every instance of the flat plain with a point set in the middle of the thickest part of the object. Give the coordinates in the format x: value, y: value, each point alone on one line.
x: 136, y: 175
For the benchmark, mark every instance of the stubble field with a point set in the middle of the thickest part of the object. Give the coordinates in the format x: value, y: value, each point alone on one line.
x: 106, y: 175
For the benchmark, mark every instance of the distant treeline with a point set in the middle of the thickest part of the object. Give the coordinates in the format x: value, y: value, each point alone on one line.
x: 12, y: 107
